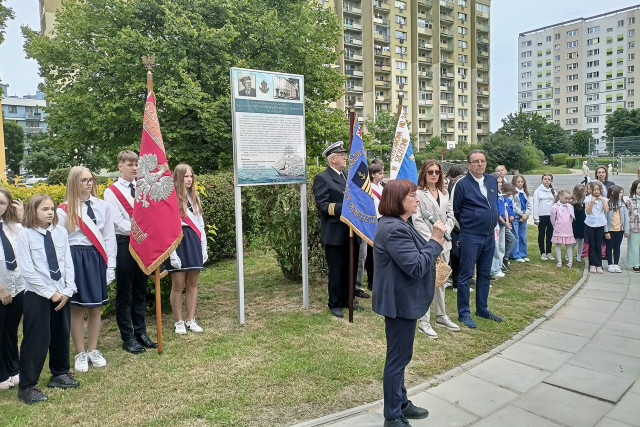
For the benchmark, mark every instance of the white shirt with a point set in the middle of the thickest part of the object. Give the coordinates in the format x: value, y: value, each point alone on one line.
x: 11, y: 279
x: 376, y: 202
x: 483, y: 187
x: 121, y: 219
x: 104, y: 218
x: 34, y: 267
x: 597, y: 216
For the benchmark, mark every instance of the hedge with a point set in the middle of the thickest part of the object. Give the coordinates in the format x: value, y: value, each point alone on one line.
x: 559, y: 159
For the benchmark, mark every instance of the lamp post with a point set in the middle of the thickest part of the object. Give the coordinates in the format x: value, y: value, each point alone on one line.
x: 400, y: 97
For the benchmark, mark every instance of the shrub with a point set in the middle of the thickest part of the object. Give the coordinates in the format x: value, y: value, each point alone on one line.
x: 559, y: 158
x: 58, y: 176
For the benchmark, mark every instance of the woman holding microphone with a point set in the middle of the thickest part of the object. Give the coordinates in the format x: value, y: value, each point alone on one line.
x: 403, y: 290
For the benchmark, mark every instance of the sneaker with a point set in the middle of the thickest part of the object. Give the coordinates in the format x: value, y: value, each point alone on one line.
x: 611, y: 268
x: 15, y: 379
x: 425, y: 328
x: 6, y: 384
x: 96, y: 358
x: 569, y: 265
x: 81, y: 364
x: 63, y: 381
x: 599, y: 270
x: 31, y: 395
x: 636, y: 269
x: 559, y: 264
x: 526, y: 259
x: 180, y: 328
x: 447, y: 285
x: 550, y: 257
x: 447, y: 323
x: 498, y: 275
x: 519, y: 260
x: 579, y: 260
x: 543, y: 257
x: 618, y: 269
x: 592, y: 269
x: 193, y: 326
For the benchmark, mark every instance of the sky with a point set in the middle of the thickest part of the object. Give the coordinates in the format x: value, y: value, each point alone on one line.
x: 508, y: 19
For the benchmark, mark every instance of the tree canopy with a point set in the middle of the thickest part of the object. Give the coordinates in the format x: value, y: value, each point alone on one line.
x: 622, y: 122
x: 580, y: 142
x: 507, y: 150
x: 13, y: 144
x: 96, y: 87
x: 532, y: 128
x: 6, y: 14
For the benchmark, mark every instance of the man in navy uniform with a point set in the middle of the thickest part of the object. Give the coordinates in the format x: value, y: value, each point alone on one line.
x: 328, y: 189
x: 475, y: 200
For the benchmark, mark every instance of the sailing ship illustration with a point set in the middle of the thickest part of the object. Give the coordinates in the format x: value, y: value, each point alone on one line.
x: 290, y: 164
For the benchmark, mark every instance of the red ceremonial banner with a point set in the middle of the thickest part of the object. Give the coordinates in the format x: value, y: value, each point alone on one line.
x: 156, y: 229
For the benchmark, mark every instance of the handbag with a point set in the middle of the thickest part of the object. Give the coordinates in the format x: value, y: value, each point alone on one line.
x: 443, y: 271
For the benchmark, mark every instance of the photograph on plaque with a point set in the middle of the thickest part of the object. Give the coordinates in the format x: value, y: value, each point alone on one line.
x: 269, y: 144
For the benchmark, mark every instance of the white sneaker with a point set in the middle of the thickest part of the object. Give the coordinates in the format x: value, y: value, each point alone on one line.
x: 543, y: 257
x: 96, y: 359
x: 618, y: 269
x: 611, y: 268
x: 550, y: 257
x: 6, y: 384
x: 81, y: 364
x: 193, y: 326
x: 447, y: 323
x: 180, y: 328
x: 425, y: 328
x: 498, y: 275
x: 15, y: 379
x: 447, y: 285
x: 519, y: 260
x: 526, y: 259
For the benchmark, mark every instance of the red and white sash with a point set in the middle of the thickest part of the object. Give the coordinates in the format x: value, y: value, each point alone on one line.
x: 189, y: 221
x: 375, y: 193
x: 125, y: 199
x: 91, y: 230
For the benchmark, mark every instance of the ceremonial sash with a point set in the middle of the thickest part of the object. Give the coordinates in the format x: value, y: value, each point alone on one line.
x: 191, y: 224
x: 124, y: 201
x: 375, y: 193
x: 91, y: 230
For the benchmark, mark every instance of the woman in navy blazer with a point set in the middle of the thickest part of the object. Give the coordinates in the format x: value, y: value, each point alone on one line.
x: 402, y: 290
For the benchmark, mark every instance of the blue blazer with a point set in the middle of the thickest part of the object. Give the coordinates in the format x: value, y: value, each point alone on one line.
x: 404, y: 263
x: 475, y: 213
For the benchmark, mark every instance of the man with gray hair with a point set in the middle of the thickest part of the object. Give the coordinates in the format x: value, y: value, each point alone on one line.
x: 328, y: 190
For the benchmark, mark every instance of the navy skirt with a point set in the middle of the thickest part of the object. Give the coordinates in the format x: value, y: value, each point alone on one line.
x: 189, y: 251
x: 91, y: 277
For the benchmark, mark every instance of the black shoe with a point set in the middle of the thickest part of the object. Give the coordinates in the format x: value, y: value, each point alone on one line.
x: 397, y: 422
x: 63, y: 381
x: 145, y: 341
x: 489, y: 315
x: 31, y: 395
x: 357, y: 307
x: 133, y: 346
x: 361, y: 294
x: 335, y: 311
x: 636, y: 269
x: 370, y: 287
x: 413, y: 411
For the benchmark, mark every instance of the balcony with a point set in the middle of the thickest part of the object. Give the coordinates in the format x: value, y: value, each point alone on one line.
x: 482, y: 15
x: 447, y: 130
x: 592, y: 113
x: 480, y: 79
x: 446, y: 61
x: 353, y: 57
x: 446, y: 46
x: 426, y: 89
x: 355, y: 88
x: 427, y: 130
x: 425, y: 101
x: 446, y: 18
x: 425, y: 116
x: 481, y: 92
x: 425, y: 30
x: 426, y: 3
x: 482, y: 118
x: 382, y: 52
x: 447, y: 116
x: 383, y: 83
x: 444, y: 4
x: 447, y: 76
x: 382, y: 37
x: 427, y: 46
x: 425, y: 74
x: 354, y: 73
x: 383, y: 99
x: 380, y: 4
x: 483, y: 131
x: 483, y: 106
x: 445, y: 34
x: 482, y: 66
x: 382, y: 68
x: 483, y: 54
x: 354, y: 26
x: 425, y: 60
x: 382, y: 21
x: 355, y: 41
x: 482, y: 27
x: 350, y: 9
x: 482, y: 39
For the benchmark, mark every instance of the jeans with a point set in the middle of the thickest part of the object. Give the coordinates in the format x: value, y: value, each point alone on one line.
x: 520, y: 233
x: 613, y: 247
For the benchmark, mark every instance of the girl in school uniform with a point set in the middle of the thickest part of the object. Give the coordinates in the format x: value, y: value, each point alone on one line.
x: 579, y: 193
x: 596, y: 208
x: 187, y: 261
x: 45, y: 264
x: 92, y: 238
x: 522, y: 208
x: 562, y: 217
x: 11, y: 289
x: 633, y: 244
x: 617, y: 227
x: 543, y: 199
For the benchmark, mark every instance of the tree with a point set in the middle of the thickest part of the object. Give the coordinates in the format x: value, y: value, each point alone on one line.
x: 622, y: 123
x: 556, y: 140
x: 95, y: 84
x: 380, y: 133
x: 6, y: 14
x: 43, y: 157
x: 532, y: 128
x: 13, y: 144
x: 580, y: 142
x: 503, y: 149
x: 436, y: 143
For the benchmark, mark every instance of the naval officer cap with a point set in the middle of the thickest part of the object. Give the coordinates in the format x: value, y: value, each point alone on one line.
x: 336, y: 147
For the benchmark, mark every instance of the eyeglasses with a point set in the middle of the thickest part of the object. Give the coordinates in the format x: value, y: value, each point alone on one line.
x: 436, y: 173
x: 478, y: 162
x: 86, y: 181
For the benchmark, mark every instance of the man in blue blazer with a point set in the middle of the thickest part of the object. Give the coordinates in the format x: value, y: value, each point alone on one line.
x: 475, y: 200
x: 328, y: 189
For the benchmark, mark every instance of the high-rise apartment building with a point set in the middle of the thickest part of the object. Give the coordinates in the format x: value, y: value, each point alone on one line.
x: 48, y: 15
x: 434, y: 52
x: 577, y: 72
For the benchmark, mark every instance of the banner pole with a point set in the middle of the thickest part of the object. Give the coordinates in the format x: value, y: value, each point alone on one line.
x: 352, y: 239
x: 158, y: 310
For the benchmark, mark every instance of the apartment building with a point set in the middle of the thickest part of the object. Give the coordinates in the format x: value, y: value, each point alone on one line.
x: 435, y: 53
x: 27, y: 111
x: 577, y: 72
x: 48, y: 15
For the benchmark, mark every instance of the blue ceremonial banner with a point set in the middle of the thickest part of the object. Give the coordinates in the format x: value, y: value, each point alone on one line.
x: 358, y: 209
x: 403, y: 163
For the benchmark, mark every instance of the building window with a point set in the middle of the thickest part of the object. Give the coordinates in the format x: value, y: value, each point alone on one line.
x: 591, y: 108
x: 573, y: 88
x: 401, y: 5
x: 621, y: 23
x: 462, y: 30
x: 632, y: 20
x: 631, y: 92
x: 572, y: 44
x: 572, y: 110
x: 401, y: 20
x: 401, y: 35
x: 571, y: 77
x: 525, y: 95
x: 526, y: 64
x: 573, y: 121
x: 593, y: 97
x: 400, y: 80
x: 592, y: 52
x: 572, y: 33
x: 590, y: 86
x: 401, y: 65
x: 593, y: 75
x: 593, y: 41
x: 630, y: 104
x: 462, y: 58
x: 632, y: 33
x: 592, y: 30
x: 571, y: 99
x: 526, y: 54
x: 595, y: 119
x: 557, y: 36
x: 593, y: 63
x: 525, y: 43
x: 572, y: 66
x: 13, y: 109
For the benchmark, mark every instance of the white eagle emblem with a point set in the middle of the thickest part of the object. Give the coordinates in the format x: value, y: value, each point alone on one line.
x: 152, y: 184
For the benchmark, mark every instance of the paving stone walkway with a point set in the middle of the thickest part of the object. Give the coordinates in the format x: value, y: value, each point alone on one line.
x: 577, y: 366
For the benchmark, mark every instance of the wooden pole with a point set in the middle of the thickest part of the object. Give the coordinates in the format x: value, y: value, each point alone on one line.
x: 352, y: 239
x: 158, y: 310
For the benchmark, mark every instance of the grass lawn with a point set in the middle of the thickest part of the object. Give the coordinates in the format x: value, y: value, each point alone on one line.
x: 285, y: 365
x: 556, y: 170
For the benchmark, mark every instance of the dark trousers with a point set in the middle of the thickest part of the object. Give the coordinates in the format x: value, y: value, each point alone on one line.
x: 400, y: 333
x: 613, y: 247
x: 338, y: 263
x: 545, y: 232
x: 43, y: 329
x: 595, y: 236
x: 475, y: 251
x: 368, y: 266
x: 509, y: 243
x: 10, y: 316
x: 131, y: 292
x: 454, y: 260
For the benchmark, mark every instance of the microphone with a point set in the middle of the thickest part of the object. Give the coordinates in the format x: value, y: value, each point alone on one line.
x: 428, y: 217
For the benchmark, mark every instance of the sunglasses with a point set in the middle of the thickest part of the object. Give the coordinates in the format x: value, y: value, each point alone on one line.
x: 433, y: 172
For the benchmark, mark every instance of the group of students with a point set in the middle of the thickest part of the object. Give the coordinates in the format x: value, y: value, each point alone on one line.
x: 55, y: 265
x: 594, y: 217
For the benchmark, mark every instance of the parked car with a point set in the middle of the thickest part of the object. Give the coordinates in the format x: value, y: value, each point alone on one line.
x: 31, y: 180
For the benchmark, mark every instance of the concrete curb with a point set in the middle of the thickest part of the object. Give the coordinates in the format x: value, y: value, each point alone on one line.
x: 437, y: 380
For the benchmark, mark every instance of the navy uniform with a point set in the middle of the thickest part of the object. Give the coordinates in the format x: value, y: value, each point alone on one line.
x: 328, y: 190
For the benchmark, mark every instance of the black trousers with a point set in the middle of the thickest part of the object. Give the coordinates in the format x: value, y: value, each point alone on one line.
x: 595, y: 235
x: 613, y: 247
x: 43, y: 329
x: 368, y: 266
x: 10, y: 316
x: 131, y: 292
x: 338, y: 263
x: 400, y: 334
x: 545, y: 232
